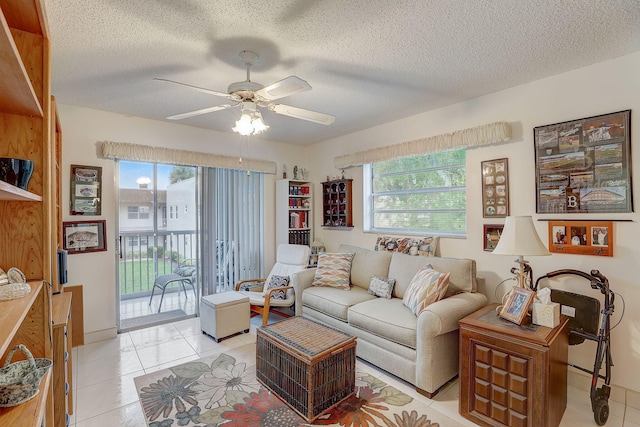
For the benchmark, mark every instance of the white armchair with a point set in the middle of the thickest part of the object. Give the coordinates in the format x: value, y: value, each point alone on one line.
x: 289, y: 259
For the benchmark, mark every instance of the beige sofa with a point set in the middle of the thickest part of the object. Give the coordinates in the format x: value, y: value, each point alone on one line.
x: 422, y: 350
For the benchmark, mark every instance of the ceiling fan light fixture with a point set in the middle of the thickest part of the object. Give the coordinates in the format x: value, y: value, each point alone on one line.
x: 250, y: 123
x: 259, y: 125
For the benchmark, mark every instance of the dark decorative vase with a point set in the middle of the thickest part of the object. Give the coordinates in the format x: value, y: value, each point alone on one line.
x: 16, y: 171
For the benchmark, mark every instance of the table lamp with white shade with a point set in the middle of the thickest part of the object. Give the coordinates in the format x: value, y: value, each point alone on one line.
x: 519, y: 237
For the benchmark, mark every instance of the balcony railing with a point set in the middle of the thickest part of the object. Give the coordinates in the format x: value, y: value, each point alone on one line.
x: 145, y: 256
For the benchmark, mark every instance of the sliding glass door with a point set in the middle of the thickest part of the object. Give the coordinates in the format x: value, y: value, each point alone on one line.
x: 158, y: 256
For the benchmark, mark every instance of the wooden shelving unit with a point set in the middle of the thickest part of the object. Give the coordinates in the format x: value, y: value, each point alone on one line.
x: 294, y: 202
x: 28, y: 321
x: 29, y: 220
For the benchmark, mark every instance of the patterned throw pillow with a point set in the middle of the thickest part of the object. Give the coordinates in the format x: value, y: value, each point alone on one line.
x: 381, y: 287
x: 334, y: 270
x: 425, y: 246
x: 426, y: 287
x: 277, y: 282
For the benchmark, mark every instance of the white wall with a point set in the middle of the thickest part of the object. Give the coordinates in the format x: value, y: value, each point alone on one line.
x: 82, y: 128
x: 599, y: 89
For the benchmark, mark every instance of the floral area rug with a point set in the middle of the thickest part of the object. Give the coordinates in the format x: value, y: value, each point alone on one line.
x: 222, y: 390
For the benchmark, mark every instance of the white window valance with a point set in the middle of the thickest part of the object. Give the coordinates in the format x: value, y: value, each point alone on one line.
x: 480, y: 135
x: 171, y: 156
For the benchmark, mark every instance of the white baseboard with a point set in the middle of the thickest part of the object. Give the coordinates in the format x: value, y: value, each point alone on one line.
x: 102, y: 335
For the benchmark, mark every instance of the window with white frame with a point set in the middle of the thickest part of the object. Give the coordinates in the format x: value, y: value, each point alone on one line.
x: 417, y: 195
x: 138, y: 212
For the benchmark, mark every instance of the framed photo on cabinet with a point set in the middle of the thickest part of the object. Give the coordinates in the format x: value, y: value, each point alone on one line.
x: 495, y: 188
x: 517, y: 304
x: 584, y: 165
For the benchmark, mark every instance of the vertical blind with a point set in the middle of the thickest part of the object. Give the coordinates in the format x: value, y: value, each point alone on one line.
x: 233, y: 219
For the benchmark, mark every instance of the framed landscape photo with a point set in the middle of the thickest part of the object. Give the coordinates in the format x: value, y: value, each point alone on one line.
x: 495, y: 188
x: 492, y: 233
x: 86, y: 190
x: 581, y: 237
x: 584, y: 165
x: 517, y: 305
x: 84, y: 236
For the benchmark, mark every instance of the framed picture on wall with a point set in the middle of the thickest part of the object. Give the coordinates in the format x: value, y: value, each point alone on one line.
x: 584, y: 165
x: 495, y: 188
x: 84, y: 236
x: 581, y: 237
x: 86, y: 190
x: 492, y: 233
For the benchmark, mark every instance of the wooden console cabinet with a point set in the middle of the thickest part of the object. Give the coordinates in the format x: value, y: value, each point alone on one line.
x: 512, y: 375
x: 62, y: 356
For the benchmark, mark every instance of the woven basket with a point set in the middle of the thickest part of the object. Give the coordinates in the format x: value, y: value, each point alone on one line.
x: 20, y: 381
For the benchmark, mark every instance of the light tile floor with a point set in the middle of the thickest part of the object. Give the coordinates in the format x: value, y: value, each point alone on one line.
x: 105, y: 394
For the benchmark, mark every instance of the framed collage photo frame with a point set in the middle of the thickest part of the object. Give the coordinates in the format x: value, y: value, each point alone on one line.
x: 84, y: 236
x: 584, y: 166
x: 517, y: 304
x: 495, y: 188
x: 86, y: 190
x: 581, y: 237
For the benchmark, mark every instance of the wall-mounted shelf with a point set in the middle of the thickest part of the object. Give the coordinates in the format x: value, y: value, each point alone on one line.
x: 337, y: 204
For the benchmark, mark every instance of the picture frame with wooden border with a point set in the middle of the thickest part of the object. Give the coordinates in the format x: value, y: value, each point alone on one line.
x: 517, y: 305
x: 492, y: 233
x: 84, y: 236
x: 86, y: 190
x: 581, y: 237
x: 495, y: 188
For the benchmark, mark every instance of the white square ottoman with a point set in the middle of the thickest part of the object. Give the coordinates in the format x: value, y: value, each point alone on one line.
x: 224, y: 314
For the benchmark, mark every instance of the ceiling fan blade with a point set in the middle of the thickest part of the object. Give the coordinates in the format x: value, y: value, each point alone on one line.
x: 285, y: 87
x: 300, y: 113
x: 201, y: 89
x: 200, y: 112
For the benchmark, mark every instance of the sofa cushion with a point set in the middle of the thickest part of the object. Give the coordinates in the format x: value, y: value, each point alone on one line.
x: 381, y: 287
x: 389, y: 319
x: 332, y: 301
x: 462, y: 272
x: 276, y: 282
x: 334, y: 270
x: 427, y: 287
x: 365, y: 263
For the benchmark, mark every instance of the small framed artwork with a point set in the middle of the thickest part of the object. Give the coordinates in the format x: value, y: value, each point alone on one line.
x: 517, y: 305
x: 495, y: 188
x: 84, y: 236
x: 584, y: 165
x: 492, y: 233
x: 86, y: 190
x: 581, y: 237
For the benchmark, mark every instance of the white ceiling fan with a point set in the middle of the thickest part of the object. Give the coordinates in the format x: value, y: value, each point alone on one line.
x: 251, y: 95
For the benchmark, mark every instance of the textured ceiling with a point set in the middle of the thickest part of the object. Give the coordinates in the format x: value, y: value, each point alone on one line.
x: 368, y: 61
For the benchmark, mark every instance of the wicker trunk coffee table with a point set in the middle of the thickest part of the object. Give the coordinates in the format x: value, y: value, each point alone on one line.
x: 311, y: 367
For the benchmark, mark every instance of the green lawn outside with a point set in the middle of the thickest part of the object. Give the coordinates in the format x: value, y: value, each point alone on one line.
x: 138, y: 275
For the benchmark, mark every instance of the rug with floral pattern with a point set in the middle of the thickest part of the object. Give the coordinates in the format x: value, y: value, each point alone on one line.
x: 222, y: 390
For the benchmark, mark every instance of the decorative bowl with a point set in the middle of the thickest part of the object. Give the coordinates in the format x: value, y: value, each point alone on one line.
x: 16, y: 171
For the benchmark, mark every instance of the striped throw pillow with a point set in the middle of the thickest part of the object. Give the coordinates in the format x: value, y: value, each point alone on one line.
x: 426, y: 287
x: 334, y: 270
